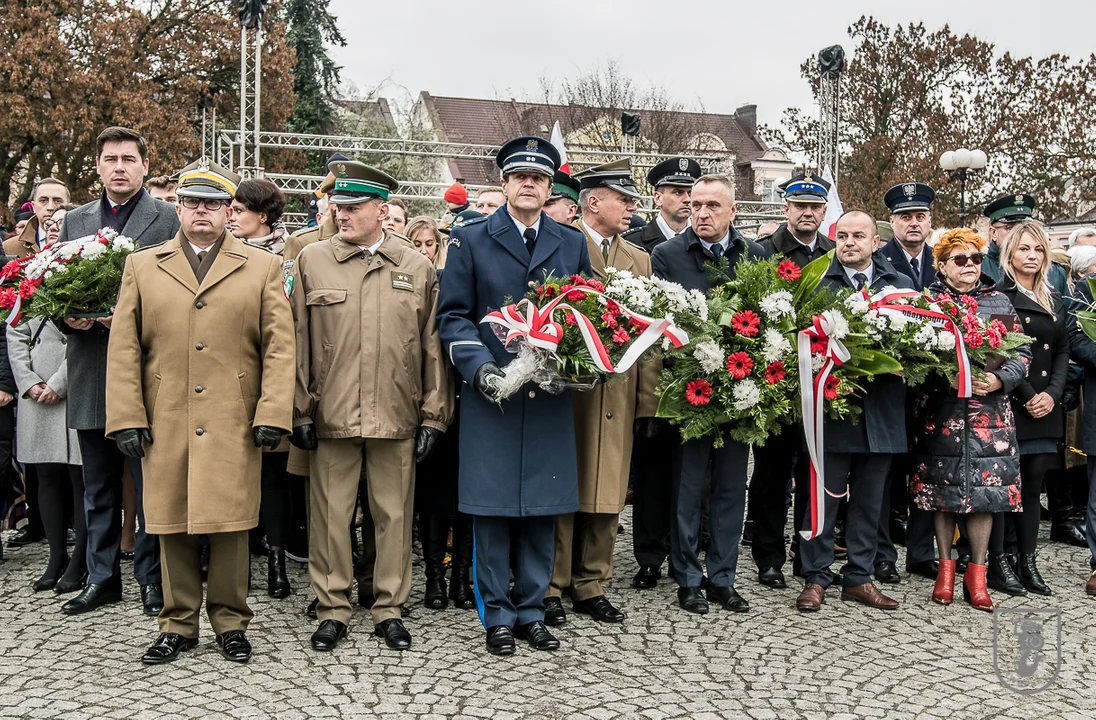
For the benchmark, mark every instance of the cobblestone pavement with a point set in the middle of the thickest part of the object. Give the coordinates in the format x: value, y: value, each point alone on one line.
x: 924, y: 660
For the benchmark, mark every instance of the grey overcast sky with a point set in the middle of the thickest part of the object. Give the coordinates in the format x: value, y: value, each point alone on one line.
x: 724, y: 53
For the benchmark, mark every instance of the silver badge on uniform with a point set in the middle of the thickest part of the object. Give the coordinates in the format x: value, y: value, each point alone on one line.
x: 683, y: 164
x: 531, y: 145
x: 909, y: 190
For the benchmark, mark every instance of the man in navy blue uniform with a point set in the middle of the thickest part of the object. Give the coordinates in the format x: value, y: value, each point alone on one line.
x: 683, y: 259
x: 518, y: 466
x: 857, y: 453
x: 910, y: 205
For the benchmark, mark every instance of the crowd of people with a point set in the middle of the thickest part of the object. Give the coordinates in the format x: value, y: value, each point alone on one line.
x: 250, y: 382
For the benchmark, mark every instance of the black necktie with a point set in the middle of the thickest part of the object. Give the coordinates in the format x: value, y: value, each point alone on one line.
x: 861, y: 280
x: 916, y: 267
x: 717, y: 252
x: 530, y: 236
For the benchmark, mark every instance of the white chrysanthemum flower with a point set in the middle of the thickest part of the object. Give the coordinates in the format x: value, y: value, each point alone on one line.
x: 856, y: 304
x: 746, y: 394
x: 93, y: 250
x: 70, y: 250
x: 640, y: 300
x: 876, y: 320
x: 898, y: 321
x: 775, y: 345
x: 48, y: 275
x: 665, y: 344
x: 838, y: 323
x: 817, y: 361
x: 945, y: 340
x: 925, y: 337
x: 709, y: 355
x: 776, y: 304
x: 123, y: 243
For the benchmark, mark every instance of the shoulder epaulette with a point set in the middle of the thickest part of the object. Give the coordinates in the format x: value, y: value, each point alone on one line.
x: 472, y: 221
x: 633, y: 231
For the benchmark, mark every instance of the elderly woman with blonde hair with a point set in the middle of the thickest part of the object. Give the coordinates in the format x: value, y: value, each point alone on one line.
x: 966, y: 460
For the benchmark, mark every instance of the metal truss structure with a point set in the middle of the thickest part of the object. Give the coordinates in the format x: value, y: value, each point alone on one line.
x: 251, y: 72
x: 831, y: 62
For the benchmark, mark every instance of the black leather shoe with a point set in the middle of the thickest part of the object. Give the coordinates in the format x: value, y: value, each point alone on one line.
x: 152, y: 599
x: 25, y: 537
x: 328, y: 635
x: 729, y: 598
x: 772, y: 577
x: 394, y: 633
x: 126, y: 555
x: 538, y: 636
x: 63, y: 587
x: 692, y: 599
x: 599, y: 608
x: 554, y: 614
x: 311, y: 611
x: 1029, y: 575
x: 961, y: 562
x: 49, y: 581
x: 885, y: 572
x: 94, y: 596
x: 166, y: 648
x: 235, y: 646
x: 1000, y: 576
x: 277, y: 581
x: 925, y: 568
x: 500, y: 640
x: 647, y: 577
x: 1066, y: 531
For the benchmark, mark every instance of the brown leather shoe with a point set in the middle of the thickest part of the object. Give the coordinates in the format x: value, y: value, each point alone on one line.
x: 870, y: 596
x: 1090, y: 588
x: 811, y: 598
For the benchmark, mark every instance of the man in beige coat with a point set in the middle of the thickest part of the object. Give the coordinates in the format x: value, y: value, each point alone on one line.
x: 372, y: 381
x: 201, y: 351
x: 604, y: 417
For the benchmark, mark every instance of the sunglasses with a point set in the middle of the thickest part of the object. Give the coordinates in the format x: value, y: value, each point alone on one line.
x: 961, y: 260
x: 192, y: 203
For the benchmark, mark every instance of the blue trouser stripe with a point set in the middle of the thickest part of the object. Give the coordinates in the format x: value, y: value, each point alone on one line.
x: 475, y: 575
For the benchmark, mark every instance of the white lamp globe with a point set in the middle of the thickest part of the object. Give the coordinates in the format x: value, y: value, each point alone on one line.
x: 947, y: 160
x: 962, y: 158
x: 978, y: 159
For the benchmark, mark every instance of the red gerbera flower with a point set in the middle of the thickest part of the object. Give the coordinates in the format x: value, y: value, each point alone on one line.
x: 739, y: 364
x: 621, y: 336
x: 698, y: 392
x: 610, y: 320
x: 829, y: 390
x: 775, y: 373
x: 974, y: 339
x: 789, y: 271
x: 746, y: 323
x: 819, y: 345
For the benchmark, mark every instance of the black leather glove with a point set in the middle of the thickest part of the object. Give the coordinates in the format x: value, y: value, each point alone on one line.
x: 483, y: 375
x: 425, y: 442
x: 266, y: 436
x: 304, y: 437
x: 647, y: 428
x: 129, y: 441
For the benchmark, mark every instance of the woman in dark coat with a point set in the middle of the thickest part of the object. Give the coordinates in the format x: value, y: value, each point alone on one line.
x: 965, y: 448
x: 1037, y: 401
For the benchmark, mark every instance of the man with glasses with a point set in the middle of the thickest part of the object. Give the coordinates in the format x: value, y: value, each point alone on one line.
x: 49, y: 196
x: 122, y: 163
x: 201, y: 353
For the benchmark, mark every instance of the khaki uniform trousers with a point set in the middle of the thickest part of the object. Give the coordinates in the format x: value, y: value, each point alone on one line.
x: 226, y: 588
x: 584, y: 554
x: 335, y: 470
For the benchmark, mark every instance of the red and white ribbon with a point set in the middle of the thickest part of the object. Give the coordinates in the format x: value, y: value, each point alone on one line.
x: 539, y: 328
x: 813, y: 406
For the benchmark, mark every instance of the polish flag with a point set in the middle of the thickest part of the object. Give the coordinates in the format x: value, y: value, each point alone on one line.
x: 557, y: 142
x: 833, y: 206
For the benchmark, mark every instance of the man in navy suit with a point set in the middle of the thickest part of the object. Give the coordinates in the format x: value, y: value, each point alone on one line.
x: 518, y: 466
x: 910, y: 206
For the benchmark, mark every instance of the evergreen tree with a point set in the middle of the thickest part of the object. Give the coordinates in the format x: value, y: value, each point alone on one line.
x: 316, y: 76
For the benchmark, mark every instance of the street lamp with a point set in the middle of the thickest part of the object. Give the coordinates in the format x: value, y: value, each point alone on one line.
x: 957, y: 163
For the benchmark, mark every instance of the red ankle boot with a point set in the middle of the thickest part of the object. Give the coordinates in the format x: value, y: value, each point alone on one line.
x: 974, y: 588
x: 945, y: 583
